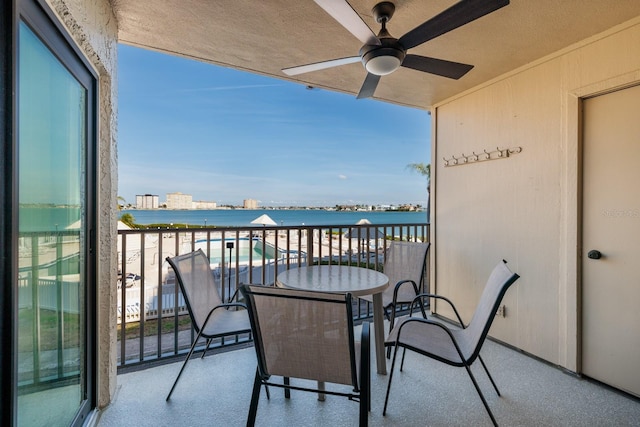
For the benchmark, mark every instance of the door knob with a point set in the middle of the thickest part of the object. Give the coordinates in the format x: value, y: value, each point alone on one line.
x: 594, y: 254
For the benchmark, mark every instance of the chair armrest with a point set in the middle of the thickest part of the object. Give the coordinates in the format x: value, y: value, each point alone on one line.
x: 436, y: 296
x: 399, y: 284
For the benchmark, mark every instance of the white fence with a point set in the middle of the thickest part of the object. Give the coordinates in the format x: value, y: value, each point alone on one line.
x: 56, y: 295
x: 153, y: 308
x: 163, y: 305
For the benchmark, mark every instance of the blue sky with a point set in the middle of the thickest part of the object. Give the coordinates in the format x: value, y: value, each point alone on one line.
x: 225, y: 135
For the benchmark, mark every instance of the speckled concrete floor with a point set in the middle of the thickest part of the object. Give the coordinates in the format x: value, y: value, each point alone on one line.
x: 216, y: 390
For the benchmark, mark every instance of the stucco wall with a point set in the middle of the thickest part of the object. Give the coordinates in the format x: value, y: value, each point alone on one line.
x: 94, y: 28
x: 523, y: 208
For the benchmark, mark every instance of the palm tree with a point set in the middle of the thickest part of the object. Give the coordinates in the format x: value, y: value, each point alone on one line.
x: 128, y: 219
x: 424, y: 169
x: 121, y: 205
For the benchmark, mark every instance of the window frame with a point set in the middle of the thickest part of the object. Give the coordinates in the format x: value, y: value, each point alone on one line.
x: 38, y: 16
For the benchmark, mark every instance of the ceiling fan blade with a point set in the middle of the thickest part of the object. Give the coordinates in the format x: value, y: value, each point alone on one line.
x: 452, y: 70
x: 342, y: 12
x: 456, y: 16
x: 369, y: 86
x: 294, y: 71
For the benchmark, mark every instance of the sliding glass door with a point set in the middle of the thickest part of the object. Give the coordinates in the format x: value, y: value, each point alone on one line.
x: 55, y: 211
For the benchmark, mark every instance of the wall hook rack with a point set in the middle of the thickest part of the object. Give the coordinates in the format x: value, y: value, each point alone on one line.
x: 498, y: 153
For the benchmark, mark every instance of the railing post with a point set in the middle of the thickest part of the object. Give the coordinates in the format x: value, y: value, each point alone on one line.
x: 123, y: 300
x: 143, y: 306
x: 160, y: 296
x: 310, y: 254
x: 35, y: 304
x: 60, y: 334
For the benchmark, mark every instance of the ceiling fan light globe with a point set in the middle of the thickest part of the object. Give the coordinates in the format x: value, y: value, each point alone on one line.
x: 382, y: 65
x: 382, y: 60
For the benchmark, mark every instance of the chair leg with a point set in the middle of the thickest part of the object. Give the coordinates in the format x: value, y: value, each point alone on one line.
x: 287, y: 392
x: 489, y: 375
x: 206, y: 347
x: 365, y: 370
x: 484, y: 402
x: 393, y: 364
x: 255, y: 398
x: 364, y: 408
x: 392, y: 319
x: 404, y: 350
x: 422, y: 309
x: 365, y: 399
x: 234, y: 296
x: 184, y: 365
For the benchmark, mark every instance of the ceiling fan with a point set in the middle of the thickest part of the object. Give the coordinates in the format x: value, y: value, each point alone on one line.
x: 383, y: 54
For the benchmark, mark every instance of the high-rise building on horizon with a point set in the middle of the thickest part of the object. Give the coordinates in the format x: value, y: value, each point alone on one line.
x: 179, y: 201
x: 146, y: 201
x: 250, y: 204
x: 202, y: 204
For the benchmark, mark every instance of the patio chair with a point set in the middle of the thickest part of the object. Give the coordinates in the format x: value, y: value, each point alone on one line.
x: 404, y: 265
x: 456, y: 346
x: 210, y: 317
x: 308, y: 336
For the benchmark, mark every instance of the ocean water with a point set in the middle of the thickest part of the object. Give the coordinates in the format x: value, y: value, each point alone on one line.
x: 243, y: 217
x: 47, y: 218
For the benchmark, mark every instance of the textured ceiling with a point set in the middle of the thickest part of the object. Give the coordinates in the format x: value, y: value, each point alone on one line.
x: 264, y: 36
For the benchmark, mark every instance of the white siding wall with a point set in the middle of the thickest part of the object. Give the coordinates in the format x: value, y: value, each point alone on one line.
x: 524, y: 208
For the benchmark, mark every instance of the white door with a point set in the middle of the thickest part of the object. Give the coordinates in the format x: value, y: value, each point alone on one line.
x: 611, y: 240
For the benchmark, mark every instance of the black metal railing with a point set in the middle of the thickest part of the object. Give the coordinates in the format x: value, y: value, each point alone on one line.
x: 49, y: 302
x: 153, y: 322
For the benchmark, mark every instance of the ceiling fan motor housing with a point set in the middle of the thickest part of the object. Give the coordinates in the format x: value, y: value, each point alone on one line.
x: 383, y: 59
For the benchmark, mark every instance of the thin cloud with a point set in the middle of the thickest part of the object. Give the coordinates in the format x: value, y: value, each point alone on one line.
x: 219, y: 88
x: 342, y: 176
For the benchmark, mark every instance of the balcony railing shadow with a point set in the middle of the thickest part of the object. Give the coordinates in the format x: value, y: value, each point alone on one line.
x: 216, y: 390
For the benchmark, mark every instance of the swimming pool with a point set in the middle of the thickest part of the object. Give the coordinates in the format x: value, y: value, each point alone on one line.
x: 247, y: 249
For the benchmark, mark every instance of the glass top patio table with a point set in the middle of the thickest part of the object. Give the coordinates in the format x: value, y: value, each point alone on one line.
x: 342, y: 279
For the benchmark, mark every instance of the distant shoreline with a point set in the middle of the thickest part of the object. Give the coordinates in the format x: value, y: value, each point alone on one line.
x: 282, y: 217
x: 328, y: 209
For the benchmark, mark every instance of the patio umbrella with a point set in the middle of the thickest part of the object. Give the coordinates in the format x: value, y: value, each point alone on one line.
x: 364, y: 233
x: 264, y: 220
